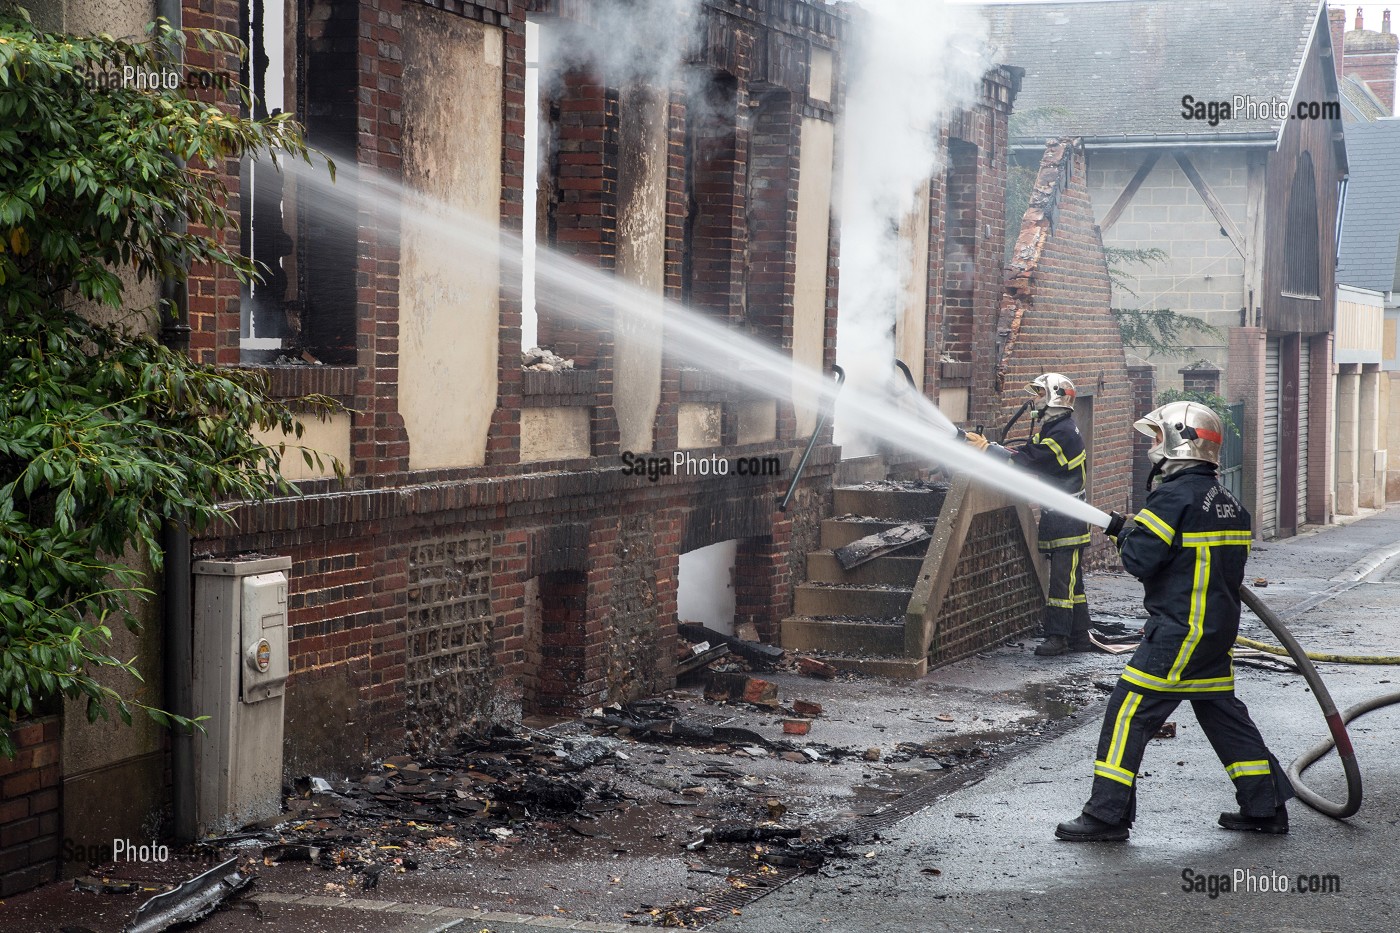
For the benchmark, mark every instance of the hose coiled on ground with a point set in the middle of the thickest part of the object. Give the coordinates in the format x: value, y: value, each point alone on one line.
x: 1336, y: 722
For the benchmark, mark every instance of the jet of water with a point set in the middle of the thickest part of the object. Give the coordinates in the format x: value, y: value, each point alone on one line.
x: 606, y: 302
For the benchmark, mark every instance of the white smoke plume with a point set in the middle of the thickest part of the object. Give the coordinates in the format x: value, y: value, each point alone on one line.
x: 628, y: 41
x: 911, y: 63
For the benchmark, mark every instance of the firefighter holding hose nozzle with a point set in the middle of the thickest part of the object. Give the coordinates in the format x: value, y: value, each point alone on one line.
x: 1188, y: 547
x: 1055, y: 453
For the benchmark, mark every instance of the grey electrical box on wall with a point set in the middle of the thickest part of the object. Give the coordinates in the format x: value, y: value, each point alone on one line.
x: 240, y: 675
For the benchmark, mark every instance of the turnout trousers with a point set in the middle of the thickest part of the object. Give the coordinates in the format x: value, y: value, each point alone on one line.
x: 1133, y: 718
x: 1066, y: 608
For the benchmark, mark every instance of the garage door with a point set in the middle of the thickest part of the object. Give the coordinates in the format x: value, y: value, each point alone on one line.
x: 1304, y: 352
x: 1267, y: 519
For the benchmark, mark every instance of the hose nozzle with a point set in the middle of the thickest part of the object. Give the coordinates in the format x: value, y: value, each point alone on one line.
x: 1115, y: 524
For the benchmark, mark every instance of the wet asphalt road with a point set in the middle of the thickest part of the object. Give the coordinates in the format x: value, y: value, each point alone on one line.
x: 985, y: 857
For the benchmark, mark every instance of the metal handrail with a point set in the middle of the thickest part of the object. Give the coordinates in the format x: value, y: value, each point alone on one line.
x: 822, y: 418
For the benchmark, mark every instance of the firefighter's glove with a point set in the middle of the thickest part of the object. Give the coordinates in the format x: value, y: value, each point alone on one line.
x: 977, y: 440
x: 1115, y: 524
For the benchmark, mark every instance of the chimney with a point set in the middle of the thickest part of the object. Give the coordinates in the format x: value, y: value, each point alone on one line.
x: 1337, y: 25
x: 1385, y: 22
x: 1359, y: 27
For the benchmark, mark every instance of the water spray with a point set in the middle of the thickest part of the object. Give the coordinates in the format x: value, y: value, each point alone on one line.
x: 607, y: 303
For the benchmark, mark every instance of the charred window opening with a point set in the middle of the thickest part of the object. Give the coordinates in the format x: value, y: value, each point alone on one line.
x: 959, y: 249
x: 576, y: 201
x: 302, y: 59
x: 771, y: 207
x: 711, y: 157
x: 1302, y: 266
x: 264, y: 237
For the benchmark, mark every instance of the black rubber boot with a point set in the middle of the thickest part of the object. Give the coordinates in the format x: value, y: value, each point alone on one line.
x: 1087, y: 828
x: 1079, y: 641
x: 1276, y: 825
x: 1052, y: 646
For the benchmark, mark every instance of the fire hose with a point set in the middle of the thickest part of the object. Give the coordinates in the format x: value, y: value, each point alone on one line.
x: 1336, y: 722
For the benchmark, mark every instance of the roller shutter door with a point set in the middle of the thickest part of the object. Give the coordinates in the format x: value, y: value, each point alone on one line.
x: 1304, y: 355
x: 1267, y: 519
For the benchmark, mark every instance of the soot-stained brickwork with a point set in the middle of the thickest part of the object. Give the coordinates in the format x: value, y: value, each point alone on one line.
x: 423, y: 601
x: 449, y: 665
x: 1055, y: 317
x: 636, y: 658
x: 995, y: 593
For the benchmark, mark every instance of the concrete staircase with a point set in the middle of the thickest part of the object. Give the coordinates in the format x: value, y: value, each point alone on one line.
x: 856, y: 617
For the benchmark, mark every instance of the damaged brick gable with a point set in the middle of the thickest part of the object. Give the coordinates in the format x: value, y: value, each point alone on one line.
x: 1055, y: 316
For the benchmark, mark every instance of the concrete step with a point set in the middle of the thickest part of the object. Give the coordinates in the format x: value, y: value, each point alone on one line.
x: 827, y: 599
x: 893, y: 503
x: 892, y: 569
x: 852, y: 639
x: 839, y: 532
x: 894, y: 668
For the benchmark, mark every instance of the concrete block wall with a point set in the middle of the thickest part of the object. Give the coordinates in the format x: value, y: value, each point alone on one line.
x: 1204, y: 275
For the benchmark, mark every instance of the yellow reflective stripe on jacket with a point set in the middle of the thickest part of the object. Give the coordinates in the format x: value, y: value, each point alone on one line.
x: 1248, y: 769
x: 1060, y: 453
x: 1063, y: 542
x: 1212, y: 538
x: 1148, y: 681
x: 1154, y: 524
x: 1196, y: 621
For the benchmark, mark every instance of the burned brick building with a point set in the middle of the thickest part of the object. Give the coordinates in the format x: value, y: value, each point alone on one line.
x: 486, y: 556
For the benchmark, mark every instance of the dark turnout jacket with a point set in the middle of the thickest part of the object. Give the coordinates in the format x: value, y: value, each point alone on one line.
x: 1188, y: 546
x: 1055, y: 453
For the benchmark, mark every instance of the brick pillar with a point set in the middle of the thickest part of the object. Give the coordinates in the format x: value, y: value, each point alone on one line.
x: 213, y: 289
x: 29, y: 807
x: 1370, y: 492
x: 1245, y: 383
x: 762, y: 581
x: 1348, y: 437
x: 1142, y: 377
x: 771, y: 257
x: 1201, y: 378
x: 718, y: 156
x: 1321, y: 424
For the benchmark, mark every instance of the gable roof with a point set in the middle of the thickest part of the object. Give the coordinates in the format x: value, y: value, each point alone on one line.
x: 1359, y: 102
x: 1117, y: 70
x: 1371, y: 223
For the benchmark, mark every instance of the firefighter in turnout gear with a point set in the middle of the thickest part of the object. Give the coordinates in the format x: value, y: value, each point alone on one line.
x: 1188, y: 546
x: 1055, y: 453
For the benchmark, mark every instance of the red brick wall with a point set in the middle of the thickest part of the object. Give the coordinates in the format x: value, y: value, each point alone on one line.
x: 1370, y: 56
x: 29, y: 799
x: 549, y: 586
x: 1056, y: 312
x: 967, y: 229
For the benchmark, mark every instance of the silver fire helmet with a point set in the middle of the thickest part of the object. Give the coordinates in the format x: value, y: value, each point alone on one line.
x: 1051, y: 390
x: 1183, y: 431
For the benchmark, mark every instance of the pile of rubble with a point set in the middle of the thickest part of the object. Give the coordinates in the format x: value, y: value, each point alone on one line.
x: 540, y: 360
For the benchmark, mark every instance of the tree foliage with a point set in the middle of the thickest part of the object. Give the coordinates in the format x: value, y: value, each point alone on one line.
x: 104, y: 433
x: 1156, y: 330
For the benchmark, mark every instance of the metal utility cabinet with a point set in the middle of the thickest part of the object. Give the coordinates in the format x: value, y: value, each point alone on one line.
x: 240, y: 675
